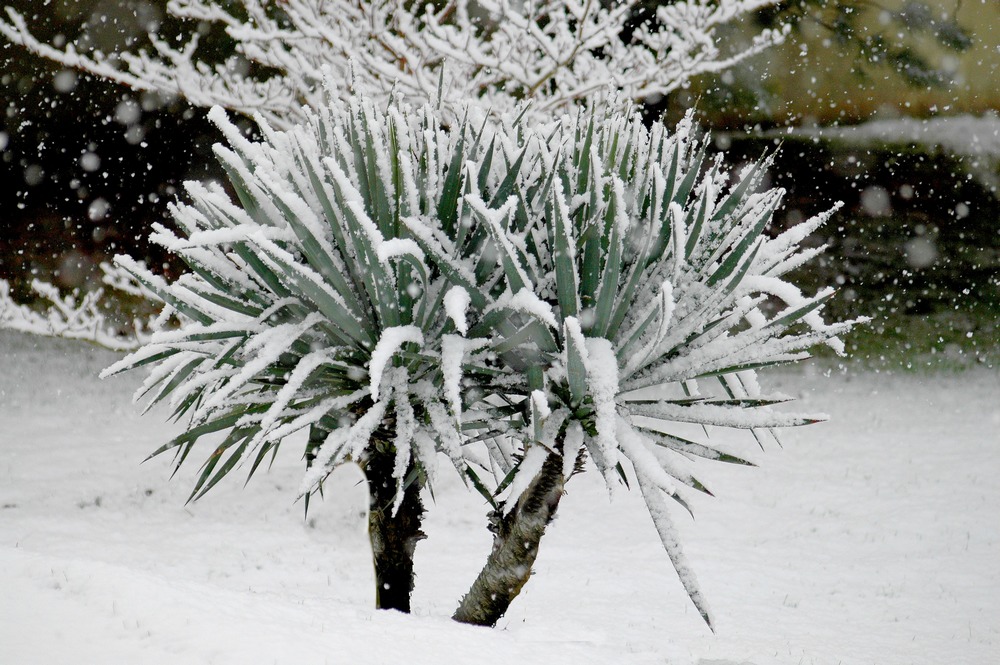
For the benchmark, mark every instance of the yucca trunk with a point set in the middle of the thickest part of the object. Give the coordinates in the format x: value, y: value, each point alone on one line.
x: 515, y: 547
x: 394, y: 537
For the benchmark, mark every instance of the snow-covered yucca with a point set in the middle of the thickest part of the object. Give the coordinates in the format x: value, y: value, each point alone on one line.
x: 518, y: 297
x: 308, y: 310
x: 556, y: 52
x: 627, y: 281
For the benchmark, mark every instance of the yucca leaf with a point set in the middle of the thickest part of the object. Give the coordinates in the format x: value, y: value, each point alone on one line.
x: 480, y: 487
x: 166, y: 296
x: 242, y: 187
x: 688, y: 447
x: 318, y: 257
x: 535, y: 333
x: 137, y: 359
x: 695, y: 227
x: 627, y: 296
x: 484, y: 167
x: 738, y: 194
x: 311, y: 287
x: 576, y: 367
x: 508, y: 479
x: 265, y: 448
x: 687, y: 184
x: 722, y: 416
x: 787, y: 319
x: 378, y: 283
x: 176, y: 378
x: 266, y: 275
x: 511, y: 258
x: 447, y: 210
x: 662, y: 228
x: 351, y: 295
x: 357, y: 157
x: 606, y: 297
x: 226, y: 302
x: 564, y: 256
x: 195, y: 433
x: 376, y: 159
x: 582, y: 155
x: 206, y: 480
x: 506, y: 187
x: 249, y: 300
x: 660, y: 514
x: 743, y: 403
x: 751, y: 239
x: 590, y: 269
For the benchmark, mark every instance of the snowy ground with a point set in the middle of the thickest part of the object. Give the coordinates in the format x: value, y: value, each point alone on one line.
x: 871, y: 539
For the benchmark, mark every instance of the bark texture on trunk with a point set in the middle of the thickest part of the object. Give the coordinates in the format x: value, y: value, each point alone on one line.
x: 515, y: 547
x: 394, y: 538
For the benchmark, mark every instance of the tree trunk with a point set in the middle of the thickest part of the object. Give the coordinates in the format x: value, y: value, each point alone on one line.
x: 515, y: 547
x: 393, y: 537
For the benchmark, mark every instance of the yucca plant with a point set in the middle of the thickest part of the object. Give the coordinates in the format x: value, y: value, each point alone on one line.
x: 308, y: 309
x: 624, y: 280
x: 517, y: 298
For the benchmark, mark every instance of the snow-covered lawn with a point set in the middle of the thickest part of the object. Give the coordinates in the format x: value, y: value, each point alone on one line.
x: 874, y: 538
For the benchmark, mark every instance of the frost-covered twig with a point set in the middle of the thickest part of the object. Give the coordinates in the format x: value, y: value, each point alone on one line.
x: 67, y: 317
x: 502, y: 52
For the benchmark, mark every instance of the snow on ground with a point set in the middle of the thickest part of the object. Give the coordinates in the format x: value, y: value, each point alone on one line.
x: 974, y: 140
x: 963, y: 135
x: 870, y: 539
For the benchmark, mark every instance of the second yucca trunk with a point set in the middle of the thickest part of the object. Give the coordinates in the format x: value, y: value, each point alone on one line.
x: 515, y: 547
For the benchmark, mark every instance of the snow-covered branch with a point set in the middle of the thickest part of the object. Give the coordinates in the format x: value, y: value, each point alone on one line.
x: 69, y: 317
x: 501, y: 52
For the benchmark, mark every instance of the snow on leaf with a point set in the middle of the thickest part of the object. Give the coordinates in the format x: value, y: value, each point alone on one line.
x: 456, y: 302
x: 530, y: 466
x: 293, y: 385
x: 724, y: 416
x: 331, y: 405
x: 602, y: 375
x: 391, y: 341
x: 572, y: 444
x: 659, y: 511
x: 343, y: 443
x: 398, y: 247
x: 444, y: 428
x: 453, y: 350
x: 528, y: 302
x: 427, y: 453
x: 262, y: 350
x: 635, y: 447
x: 406, y: 426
